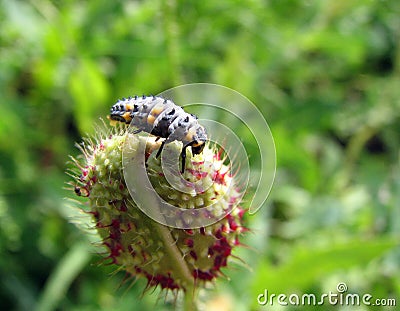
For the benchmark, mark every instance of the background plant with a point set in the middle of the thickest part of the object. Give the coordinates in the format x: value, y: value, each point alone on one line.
x: 324, y: 73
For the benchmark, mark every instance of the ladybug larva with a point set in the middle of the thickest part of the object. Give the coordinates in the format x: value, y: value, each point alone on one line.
x: 163, y: 118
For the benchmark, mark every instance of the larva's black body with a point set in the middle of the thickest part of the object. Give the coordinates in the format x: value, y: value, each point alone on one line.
x: 162, y: 118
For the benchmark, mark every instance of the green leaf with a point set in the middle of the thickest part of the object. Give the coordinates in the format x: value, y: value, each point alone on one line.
x: 89, y: 90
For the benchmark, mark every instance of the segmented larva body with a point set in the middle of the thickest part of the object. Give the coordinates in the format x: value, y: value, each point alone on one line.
x: 163, y: 118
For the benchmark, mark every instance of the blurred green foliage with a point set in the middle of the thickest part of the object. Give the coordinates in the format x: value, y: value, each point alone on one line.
x: 326, y: 76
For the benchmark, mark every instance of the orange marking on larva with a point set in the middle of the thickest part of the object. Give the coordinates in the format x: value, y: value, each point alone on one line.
x: 127, y: 116
x: 189, y: 137
x: 156, y: 110
x: 151, y: 119
x: 190, y: 134
x: 128, y: 107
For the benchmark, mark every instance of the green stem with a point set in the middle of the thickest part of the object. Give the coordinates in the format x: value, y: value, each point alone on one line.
x: 61, y: 278
x: 173, y: 251
x: 189, y: 300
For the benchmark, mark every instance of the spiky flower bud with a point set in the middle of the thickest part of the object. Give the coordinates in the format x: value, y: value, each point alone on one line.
x: 170, y: 258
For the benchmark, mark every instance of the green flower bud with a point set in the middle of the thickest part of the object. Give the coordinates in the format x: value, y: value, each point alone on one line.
x: 168, y: 257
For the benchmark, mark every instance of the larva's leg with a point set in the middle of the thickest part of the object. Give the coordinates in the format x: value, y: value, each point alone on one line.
x: 183, y: 158
x: 160, y: 149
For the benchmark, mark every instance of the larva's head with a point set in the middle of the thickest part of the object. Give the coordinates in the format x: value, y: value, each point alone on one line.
x: 199, y: 140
